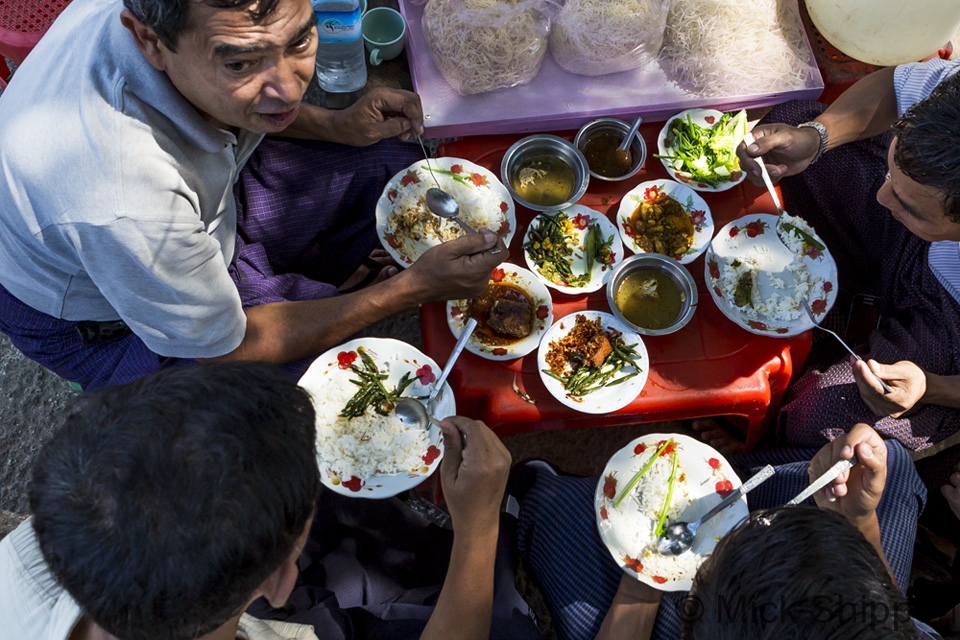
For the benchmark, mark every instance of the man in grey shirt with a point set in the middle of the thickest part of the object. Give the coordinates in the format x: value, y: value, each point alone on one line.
x: 146, y: 219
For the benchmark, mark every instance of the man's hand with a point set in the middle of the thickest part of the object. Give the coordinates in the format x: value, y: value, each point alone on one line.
x: 473, y: 476
x: 856, y: 492
x: 456, y: 269
x: 907, y: 381
x: 786, y: 151
x: 379, y: 114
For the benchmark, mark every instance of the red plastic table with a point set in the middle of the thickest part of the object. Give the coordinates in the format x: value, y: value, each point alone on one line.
x: 710, y: 367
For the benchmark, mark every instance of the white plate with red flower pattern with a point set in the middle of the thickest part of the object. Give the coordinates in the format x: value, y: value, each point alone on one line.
x: 487, y: 344
x: 758, y: 281
x: 703, y: 478
x: 393, y: 358
x: 576, y: 220
x: 407, y: 228
x: 695, y: 206
x: 667, y: 147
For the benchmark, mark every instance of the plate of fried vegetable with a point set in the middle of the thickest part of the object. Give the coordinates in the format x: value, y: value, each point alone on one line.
x: 574, y: 250
x: 699, y: 147
x: 592, y: 362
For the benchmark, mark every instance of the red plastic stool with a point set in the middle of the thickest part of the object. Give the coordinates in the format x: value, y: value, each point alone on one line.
x: 22, y: 24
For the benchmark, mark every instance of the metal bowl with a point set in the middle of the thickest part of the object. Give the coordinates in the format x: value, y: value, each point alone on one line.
x: 544, y: 144
x: 638, y: 147
x: 680, y: 276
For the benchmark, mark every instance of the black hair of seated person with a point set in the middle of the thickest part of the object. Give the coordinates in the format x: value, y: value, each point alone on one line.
x: 161, y: 505
x: 170, y: 19
x: 928, y: 143
x: 795, y: 573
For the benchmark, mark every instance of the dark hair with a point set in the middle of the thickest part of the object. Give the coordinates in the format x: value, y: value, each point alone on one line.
x: 927, y: 144
x: 795, y: 573
x: 161, y: 505
x: 171, y: 18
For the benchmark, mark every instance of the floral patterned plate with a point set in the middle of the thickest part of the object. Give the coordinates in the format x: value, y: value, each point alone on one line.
x: 610, y: 398
x: 704, y: 118
x: 703, y: 479
x: 780, y: 277
x: 536, y: 292
x: 689, y: 199
x: 407, y: 228
x: 578, y: 221
x: 394, y: 358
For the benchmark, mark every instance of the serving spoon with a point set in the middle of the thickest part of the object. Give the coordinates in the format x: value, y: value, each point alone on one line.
x: 679, y: 536
x: 411, y: 411
x: 441, y: 203
x: 622, y: 153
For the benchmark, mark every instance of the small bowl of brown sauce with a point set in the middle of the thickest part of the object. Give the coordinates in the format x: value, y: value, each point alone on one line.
x: 598, y: 141
x: 544, y: 172
x: 653, y: 294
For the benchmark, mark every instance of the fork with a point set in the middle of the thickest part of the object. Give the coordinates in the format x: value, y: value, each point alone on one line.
x: 809, y: 311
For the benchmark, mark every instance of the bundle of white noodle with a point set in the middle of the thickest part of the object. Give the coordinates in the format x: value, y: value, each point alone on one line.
x: 596, y: 37
x: 740, y: 47
x: 482, y: 45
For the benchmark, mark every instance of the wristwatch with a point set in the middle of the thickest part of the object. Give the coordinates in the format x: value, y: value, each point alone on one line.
x: 822, y: 130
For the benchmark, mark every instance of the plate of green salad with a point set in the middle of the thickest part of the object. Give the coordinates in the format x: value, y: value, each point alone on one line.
x: 699, y: 147
x: 574, y: 251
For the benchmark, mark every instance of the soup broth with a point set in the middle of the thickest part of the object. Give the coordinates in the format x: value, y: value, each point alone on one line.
x: 544, y: 180
x: 600, y: 152
x: 650, y: 299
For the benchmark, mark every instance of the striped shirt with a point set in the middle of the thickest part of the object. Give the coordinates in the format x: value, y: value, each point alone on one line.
x: 913, y: 82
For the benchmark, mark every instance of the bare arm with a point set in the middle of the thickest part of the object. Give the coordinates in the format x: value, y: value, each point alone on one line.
x: 632, y: 612
x: 473, y: 479
x: 866, y: 109
x: 379, y: 114
x: 287, y: 331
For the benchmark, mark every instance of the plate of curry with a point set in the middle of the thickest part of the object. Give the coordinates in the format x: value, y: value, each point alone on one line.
x: 666, y: 217
x: 512, y: 314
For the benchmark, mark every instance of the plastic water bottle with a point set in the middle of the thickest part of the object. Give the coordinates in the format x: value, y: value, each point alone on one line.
x: 341, y: 62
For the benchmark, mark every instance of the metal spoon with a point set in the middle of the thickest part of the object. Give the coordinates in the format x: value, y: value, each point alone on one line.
x: 813, y: 319
x: 828, y: 476
x: 679, y: 536
x: 410, y: 410
x: 748, y: 140
x: 441, y: 203
x: 622, y: 153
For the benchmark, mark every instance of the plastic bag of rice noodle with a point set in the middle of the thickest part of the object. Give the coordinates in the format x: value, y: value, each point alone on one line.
x: 482, y: 45
x: 596, y: 37
x: 737, y: 48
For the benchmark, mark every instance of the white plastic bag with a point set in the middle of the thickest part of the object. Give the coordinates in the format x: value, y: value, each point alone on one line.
x: 482, y: 45
x: 596, y: 37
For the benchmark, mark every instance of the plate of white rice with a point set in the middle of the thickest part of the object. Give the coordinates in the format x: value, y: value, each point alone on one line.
x: 758, y: 272
x: 703, y: 478
x: 407, y: 228
x: 373, y: 455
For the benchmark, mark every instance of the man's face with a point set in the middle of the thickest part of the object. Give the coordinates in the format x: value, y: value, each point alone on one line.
x: 241, y: 74
x: 917, y: 207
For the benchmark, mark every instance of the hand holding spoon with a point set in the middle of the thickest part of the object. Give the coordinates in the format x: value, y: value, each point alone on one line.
x: 679, y: 536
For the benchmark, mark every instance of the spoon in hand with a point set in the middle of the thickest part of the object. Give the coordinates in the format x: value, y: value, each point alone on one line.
x: 679, y: 536
x: 813, y: 319
x: 441, y: 203
x: 748, y: 140
x: 410, y: 410
x: 622, y: 153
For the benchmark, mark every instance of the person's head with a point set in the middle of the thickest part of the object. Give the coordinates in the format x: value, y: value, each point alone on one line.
x: 923, y: 187
x: 164, y: 506
x: 241, y: 63
x: 795, y: 573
